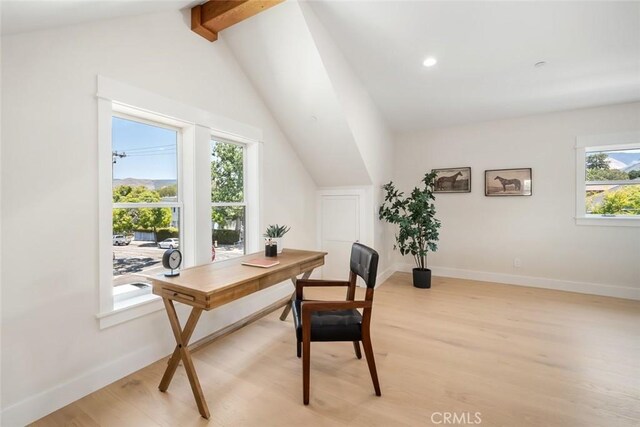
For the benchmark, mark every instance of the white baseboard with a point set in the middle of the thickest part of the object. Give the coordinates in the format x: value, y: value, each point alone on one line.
x: 381, y: 277
x: 47, y: 401
x: 616, y: 291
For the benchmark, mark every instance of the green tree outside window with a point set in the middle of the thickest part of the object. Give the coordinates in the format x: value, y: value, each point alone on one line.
x: 227, y: 183
x: 127, y: 220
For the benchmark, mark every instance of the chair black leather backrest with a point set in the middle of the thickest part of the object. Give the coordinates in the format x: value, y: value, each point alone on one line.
x: 364, y: 263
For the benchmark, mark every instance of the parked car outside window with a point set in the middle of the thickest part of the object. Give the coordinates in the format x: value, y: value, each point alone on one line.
x: 170, y: 243
x: 121, y: 240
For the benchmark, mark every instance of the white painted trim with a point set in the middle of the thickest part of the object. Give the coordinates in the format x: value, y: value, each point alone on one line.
x: 130, y: 309
x: 365, y: 222
x: 195, y: 128
x: 140, y: 99
x: 608, y: 221
x: 366, y: 201
x: 201, y: 193
x: 581, y: 187
x: 1, y: 240
x: 253, y: 197
x: 105, y: 201
x: 602, y: 289
x: 148, y: 205
x: 618, y: 141
x: 383, y: 276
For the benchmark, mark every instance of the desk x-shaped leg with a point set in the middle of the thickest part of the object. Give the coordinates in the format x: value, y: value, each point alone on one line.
x: 181, y: 352
x: 287, y: 308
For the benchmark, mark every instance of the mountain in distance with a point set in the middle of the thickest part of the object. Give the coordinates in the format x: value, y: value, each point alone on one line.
x: 152, y: 184
x: 633, y: 167
x: 628, y: 158
x: 616, y: 164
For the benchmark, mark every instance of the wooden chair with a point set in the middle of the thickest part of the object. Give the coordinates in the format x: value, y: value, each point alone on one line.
x: 338, y: 320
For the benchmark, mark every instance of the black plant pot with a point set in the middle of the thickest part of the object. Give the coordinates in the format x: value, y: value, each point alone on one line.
x: 422, y: 278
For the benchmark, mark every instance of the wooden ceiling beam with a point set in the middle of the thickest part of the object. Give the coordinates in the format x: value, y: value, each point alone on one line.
x: 210, y: 18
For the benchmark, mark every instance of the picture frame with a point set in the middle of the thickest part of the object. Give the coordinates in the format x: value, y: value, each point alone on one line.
x: 453, y: 180
x: 508, y: 182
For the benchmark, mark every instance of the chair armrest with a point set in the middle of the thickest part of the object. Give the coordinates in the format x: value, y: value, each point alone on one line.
x: 316, y: 282
x: 301, y: 283
x: 309, y: 307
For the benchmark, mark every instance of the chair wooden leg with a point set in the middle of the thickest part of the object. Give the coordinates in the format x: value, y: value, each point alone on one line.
x: 368, y: 351
x: 299, y: 349
x: 306, y: 367
x: 356, y: 347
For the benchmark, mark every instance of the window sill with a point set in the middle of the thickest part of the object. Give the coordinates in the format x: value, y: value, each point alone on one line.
x: 130, y: 309
x: 608, y: 221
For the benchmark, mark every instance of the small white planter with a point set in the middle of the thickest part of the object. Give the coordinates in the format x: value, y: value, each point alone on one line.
x: 278, y: 241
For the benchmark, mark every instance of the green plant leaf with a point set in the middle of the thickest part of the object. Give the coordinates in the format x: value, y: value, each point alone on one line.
x: 415, y: 217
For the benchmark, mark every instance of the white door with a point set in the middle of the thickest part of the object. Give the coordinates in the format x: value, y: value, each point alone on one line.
x: 339, y: 229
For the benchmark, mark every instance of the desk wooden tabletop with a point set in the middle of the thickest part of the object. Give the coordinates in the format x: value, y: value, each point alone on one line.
x: 210, y: 285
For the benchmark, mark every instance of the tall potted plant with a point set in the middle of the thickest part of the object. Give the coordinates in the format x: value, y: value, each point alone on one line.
x: 417, y: 225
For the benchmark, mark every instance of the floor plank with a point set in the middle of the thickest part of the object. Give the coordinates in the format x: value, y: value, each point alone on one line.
x: 514, y: 355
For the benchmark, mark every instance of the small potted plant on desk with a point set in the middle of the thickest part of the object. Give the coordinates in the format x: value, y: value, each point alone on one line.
x: 275, y: 233
x: 417, y: 225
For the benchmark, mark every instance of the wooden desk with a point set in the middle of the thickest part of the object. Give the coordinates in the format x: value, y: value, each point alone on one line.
x: 209, y: 286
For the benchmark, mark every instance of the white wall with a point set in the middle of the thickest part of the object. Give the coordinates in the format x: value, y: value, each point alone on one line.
x: 367, y: 125
x: 481, y: 236
x: 0, y: 215
x: 53, y: 351
x: 277, y: 52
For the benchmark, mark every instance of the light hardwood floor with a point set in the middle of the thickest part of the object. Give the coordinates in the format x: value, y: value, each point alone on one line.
x: 518, y: 356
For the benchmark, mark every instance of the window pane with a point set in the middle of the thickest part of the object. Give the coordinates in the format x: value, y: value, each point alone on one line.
x: 143, y: 157
x: 227, y: 172
x: 227, y: 238
x: 613, y: 199
x: 140, y: 238
x: 613, y: 165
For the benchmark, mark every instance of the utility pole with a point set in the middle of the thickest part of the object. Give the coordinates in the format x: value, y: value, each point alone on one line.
x: 114, y: 159
x: 115, y: 156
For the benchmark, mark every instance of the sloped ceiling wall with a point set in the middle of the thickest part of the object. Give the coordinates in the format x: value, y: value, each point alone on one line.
x: 370, y: 132
x: 369, y: 129
x: 279, y: 55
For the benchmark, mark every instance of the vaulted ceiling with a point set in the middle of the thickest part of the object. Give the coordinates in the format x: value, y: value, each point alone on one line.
x: 486, y: 53
x: 302, y: 84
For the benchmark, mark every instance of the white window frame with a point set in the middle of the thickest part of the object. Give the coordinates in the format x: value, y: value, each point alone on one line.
x: 124, y: 298
x: 197, y: 128
x: 584, y: 144
x: 245, y: 188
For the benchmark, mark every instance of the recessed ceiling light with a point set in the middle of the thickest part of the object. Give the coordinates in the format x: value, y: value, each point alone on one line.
x: 430, y: 61
x: 539, y: 64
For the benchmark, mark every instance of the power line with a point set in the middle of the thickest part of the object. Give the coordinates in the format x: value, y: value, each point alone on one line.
x: 155, y: 147
x: 151, y: 154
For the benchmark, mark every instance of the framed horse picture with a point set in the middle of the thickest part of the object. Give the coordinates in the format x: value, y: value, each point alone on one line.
x: 507, y: 182
x: 453, y: 180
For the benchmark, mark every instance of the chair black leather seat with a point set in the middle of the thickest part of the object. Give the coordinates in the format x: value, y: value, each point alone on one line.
x: 335, y: 325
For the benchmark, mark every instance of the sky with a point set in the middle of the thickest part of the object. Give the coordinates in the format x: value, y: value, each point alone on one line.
x: 150, y: 150
x: 622, y: 159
